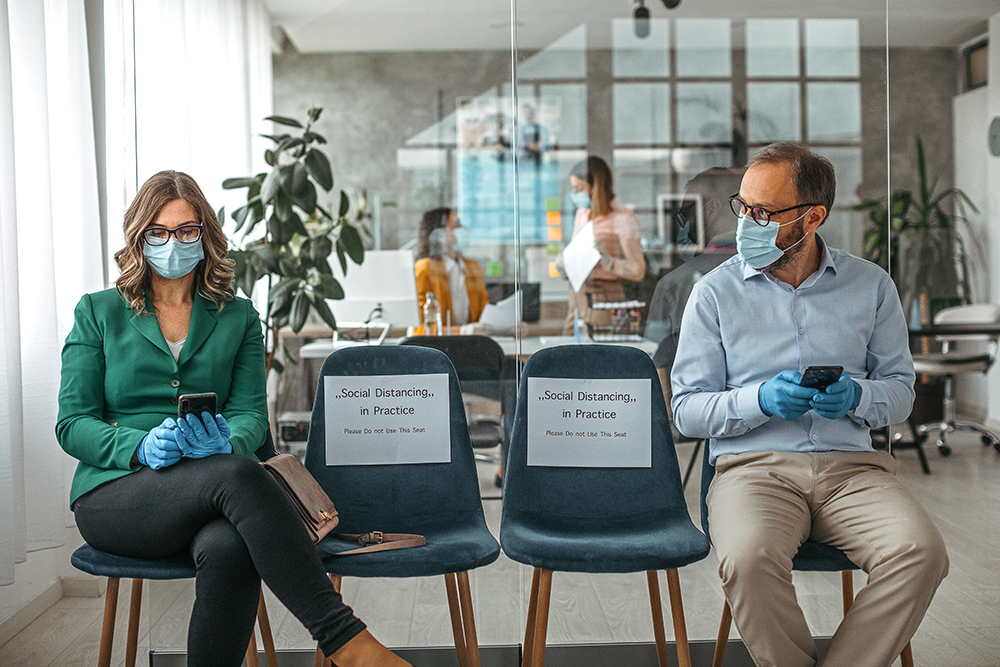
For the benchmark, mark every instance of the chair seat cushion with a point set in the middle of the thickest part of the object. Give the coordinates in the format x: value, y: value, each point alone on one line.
x: 816, y: 557
x: 456, y: 550
x: 102, y: 564
x: 951, y: 363
x: 658, y: 542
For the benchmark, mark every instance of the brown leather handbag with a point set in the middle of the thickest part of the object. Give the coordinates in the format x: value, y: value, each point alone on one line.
x: 320, y: 516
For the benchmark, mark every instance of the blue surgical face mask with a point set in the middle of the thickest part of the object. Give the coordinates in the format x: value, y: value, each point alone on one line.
x: 581, y: 199
x: 757, y: 246
x: 174, y: 259
x: 461, y: 238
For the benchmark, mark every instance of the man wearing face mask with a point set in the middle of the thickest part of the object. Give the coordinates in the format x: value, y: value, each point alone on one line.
x: 441, y: 268
x: 795, y: 463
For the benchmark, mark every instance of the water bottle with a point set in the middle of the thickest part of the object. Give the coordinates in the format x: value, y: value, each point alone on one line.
x: 432, y: 315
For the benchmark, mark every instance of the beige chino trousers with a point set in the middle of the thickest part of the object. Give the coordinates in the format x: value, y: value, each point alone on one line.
x: 764, y: 505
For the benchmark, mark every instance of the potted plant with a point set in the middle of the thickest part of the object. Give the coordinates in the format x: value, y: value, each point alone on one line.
x: 299, y: 235
x: 925, y: 233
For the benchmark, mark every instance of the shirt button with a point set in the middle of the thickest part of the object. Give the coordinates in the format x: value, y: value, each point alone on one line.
x: 796, y: 292
x: 175, y: 383
x: 814, y: 436
x: 801, y: 331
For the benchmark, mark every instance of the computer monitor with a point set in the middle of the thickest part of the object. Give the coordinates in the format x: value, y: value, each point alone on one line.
x: 386, y: 280
x: 530, y: 297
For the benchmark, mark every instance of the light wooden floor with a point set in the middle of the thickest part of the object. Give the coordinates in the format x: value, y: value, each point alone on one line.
x: 961, y: 629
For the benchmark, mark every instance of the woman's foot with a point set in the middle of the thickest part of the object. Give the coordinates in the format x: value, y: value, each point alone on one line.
x: 366, y: 651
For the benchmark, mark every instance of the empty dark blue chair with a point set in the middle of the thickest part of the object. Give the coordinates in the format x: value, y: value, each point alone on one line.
x: 437, y: 500
x: 181, y: 566
x: 579, y: 519
x: 811, y: 557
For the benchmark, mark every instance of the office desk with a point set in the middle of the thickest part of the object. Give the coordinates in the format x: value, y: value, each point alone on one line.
x: 321, y: 349
x: 988, y: 329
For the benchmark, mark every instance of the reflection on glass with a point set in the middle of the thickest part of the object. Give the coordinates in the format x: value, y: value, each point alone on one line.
x: 773, y: 112
x: 635, y: 56
x: 772, y: 47
x: 847, y: 165
x: 704, y: 112
x: 832, y: 47
x: 572, y: 101
x: 641, y: 175
x: 565, y: 58
x: 641, y: 113
x: 833, y: 111
x: 703, y: 47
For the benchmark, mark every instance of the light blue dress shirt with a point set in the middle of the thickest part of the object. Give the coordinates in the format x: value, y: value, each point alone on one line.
x: 742, y: 327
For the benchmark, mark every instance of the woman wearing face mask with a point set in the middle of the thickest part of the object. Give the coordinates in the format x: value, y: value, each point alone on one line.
x: 441, y: 268
x: 617, y: 237
x: 149, y: 485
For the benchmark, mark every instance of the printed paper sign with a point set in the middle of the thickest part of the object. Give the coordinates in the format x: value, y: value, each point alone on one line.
x: 589, y: 423
x: 387, y: 419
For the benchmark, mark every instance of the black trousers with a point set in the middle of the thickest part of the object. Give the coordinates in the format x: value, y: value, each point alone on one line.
x: 240, y: 528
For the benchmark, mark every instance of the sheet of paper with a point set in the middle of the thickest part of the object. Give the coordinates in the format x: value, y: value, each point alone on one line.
x: 503, y: 314
x: 387, y: 419
x: 580, y: 257
x: 589, y: 423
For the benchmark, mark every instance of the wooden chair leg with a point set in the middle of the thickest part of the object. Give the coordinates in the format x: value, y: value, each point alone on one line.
x: 457, y: 628
x: 265, y: 632
x: 906, y: 657
x: 108, y: 629
x: 677, y: 611
x: 134, y: 608
x: 252, y: 650
x: 529, y: 625
x: 542, y: 618
x: 337, y: 581
x: 722, y: 641
x: 656, y: 606
x: 847, y: 579
x: 468, y: 619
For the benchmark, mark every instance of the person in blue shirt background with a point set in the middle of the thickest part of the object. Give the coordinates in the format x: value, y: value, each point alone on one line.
x: 796, y: 463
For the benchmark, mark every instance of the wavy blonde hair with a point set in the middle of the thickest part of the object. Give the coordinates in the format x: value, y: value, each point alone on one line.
x: 213, y: 276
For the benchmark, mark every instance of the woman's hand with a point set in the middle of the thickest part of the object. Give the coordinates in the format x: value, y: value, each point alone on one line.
x: 204, y: 439
x: 160, y: 448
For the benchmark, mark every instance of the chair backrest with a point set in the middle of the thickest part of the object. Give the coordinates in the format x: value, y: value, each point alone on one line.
x: 611, y: 497
x: 405, y: 497
x: 976, y: 313
x: 478, y: 361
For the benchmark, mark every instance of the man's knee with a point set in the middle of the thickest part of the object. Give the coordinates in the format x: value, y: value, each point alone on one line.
x: 750, y: 561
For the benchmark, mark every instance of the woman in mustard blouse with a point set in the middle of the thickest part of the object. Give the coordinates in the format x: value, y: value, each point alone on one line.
x: 149, y: 485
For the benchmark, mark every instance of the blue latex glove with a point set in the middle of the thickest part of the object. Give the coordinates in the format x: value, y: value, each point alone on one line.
x: 840, y: 397
x: 782, y: 396
x: 160, y: 448
x: 201, y: 440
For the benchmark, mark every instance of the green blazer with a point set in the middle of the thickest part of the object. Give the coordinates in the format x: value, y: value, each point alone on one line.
x: 119, y: 380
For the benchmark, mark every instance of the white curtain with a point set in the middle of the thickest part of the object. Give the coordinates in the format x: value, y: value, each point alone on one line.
x: 50, y: 248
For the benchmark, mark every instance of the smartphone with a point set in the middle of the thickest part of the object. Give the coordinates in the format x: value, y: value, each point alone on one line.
x: 820, y: 377
x: 196, y: 404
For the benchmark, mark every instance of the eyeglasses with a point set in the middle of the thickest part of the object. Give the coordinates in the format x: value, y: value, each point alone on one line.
x: 758, y: 214
x: 160, y: 235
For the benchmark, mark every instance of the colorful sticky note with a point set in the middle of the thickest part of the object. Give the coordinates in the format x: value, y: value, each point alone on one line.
x: 552, y: 203
x: 555, y: 233
x: 553, y: 218
x: 553, y: 249
x: 553, y: 271
x: 494, y: 269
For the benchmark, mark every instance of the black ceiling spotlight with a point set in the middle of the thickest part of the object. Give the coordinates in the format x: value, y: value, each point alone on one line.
x: 671, y: 4
x: 641, y: 15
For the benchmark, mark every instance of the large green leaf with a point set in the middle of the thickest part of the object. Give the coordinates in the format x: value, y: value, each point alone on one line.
x: 282, y: 293
x: 240, y: 215
x: 269, y: 188
x: 320, y: 248
x: 263, y: 256
x: 233, y: 183
x: 306, y: 200
x: 294, y: 223
x: 314, y: 113
x: 270, y: 157
x: 330, y: 288
x: 318, y: 166
x: 283, y: 207
x: 300, y: 310
x: 284, y: 120
x: 351, y: 241
x: 299, y: 179
x: 314, y: 136
x: 345, y: 204
x: 324, y: 312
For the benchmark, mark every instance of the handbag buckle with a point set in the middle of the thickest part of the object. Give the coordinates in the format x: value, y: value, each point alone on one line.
x: 374, y: 537
x: 326, y: 515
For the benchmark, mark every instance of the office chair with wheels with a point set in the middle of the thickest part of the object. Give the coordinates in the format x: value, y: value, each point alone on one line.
x: 948, y: 363
x: 116, y: 568
x: 811, y: 557
x: 598, y: 520
x: 437, y: 500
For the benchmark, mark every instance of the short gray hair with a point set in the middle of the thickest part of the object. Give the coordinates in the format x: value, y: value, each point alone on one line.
x: 813, y: 174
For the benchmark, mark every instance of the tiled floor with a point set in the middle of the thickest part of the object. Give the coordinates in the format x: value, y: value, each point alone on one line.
x: 962, y: 627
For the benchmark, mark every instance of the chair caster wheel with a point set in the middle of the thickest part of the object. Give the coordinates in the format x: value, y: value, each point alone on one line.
x: 944, y: 449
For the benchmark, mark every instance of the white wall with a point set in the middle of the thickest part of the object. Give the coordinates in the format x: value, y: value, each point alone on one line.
x: 993, y: 201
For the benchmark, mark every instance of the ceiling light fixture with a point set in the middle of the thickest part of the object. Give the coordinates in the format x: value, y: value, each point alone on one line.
x: 671, y: 4
x: 641, y: 15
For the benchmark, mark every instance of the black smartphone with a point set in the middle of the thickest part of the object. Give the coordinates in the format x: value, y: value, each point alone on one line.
x: 196, y: 404
x: 820, y: 377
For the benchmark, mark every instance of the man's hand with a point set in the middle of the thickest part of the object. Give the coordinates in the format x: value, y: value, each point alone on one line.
x: 782, y: 396
x: 841, y: 397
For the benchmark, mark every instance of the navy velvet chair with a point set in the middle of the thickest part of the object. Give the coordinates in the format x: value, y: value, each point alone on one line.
x: 116, y: 568
x: 598, y: 520
x: 811, y: 557
x: 437, y: 500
